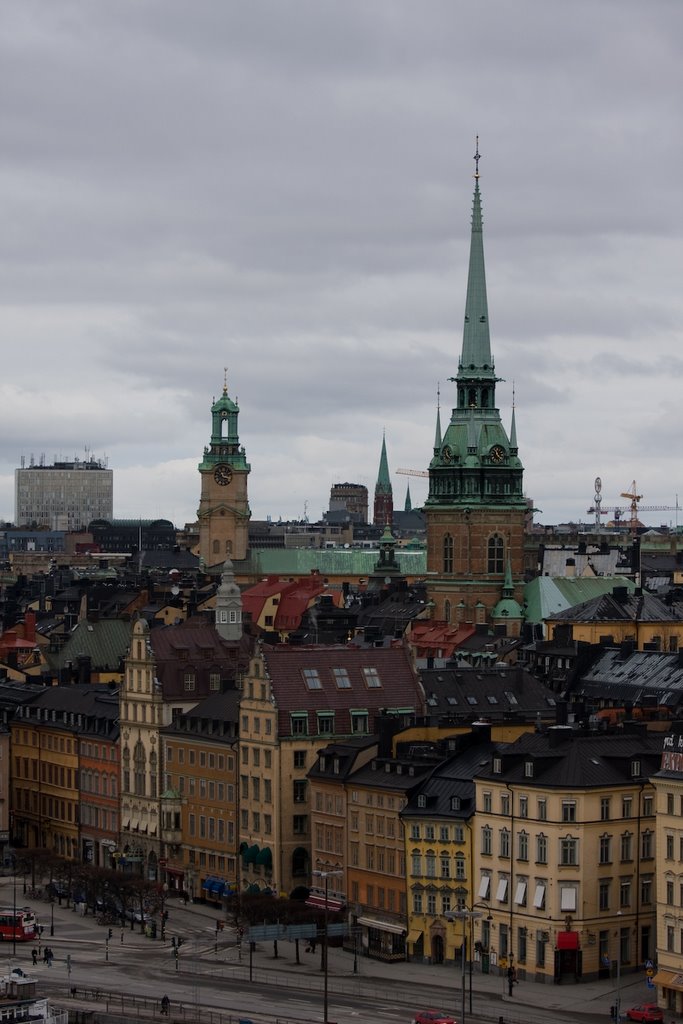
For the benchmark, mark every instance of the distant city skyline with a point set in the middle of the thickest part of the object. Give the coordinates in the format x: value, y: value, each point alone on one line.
x: 286, y: 190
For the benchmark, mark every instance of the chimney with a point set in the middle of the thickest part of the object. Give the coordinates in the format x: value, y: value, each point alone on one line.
x: 620, y: 595
x: 559, y: 734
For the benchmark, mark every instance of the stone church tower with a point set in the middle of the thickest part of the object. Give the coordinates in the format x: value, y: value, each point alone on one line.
x: 476, y: 507
x: 223, y: 512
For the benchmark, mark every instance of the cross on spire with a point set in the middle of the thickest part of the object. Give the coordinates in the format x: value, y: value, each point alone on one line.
x: 477, y: 157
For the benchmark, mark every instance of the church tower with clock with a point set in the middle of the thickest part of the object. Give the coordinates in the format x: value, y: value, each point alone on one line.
x: 476, y: 508
x: 223, y: 512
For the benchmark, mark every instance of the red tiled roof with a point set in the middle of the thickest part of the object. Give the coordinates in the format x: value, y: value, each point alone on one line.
x: 400, y: 687
x: 428, y: 637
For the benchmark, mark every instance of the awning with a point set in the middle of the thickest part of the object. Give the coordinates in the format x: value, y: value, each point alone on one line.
x: 669, y: 979
x: 265, y: 857
x: 333, y: 905
x: 414, y: 937
x: 208, y: 882
x: 382, y: 926
x: 249, y: 856
x: 214, y: 885
x: 567, y: 940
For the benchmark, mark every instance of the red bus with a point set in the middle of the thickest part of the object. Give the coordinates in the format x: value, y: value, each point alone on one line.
x: 19, y: 925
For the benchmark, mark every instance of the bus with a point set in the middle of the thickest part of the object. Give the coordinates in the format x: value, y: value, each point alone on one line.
x: 19, y: 925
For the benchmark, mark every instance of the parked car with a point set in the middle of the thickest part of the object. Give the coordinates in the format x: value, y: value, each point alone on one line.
x: 433, y: 1017
x: 649, y: 1013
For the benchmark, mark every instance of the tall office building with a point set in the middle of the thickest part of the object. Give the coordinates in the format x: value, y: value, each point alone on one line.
x: 65, y: 495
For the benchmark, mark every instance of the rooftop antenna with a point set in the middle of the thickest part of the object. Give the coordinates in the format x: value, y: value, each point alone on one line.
x: 597, y: 501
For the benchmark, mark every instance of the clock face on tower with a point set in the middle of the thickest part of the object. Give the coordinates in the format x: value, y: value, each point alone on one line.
x: 497, y: 453
x: 222, y: 475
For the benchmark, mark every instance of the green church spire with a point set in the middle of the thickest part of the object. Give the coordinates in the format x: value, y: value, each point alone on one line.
x: 408, y: 507
x: 476, y: 373
x: 383, y: 478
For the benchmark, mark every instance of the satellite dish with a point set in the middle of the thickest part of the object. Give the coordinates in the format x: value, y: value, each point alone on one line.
x: 175, y: 589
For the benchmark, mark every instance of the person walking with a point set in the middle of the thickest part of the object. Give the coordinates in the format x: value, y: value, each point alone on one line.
x: 165, y: 1005
x: 34, y: 956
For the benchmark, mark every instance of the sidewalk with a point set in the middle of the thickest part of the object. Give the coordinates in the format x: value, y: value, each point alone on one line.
x: 442, y: 984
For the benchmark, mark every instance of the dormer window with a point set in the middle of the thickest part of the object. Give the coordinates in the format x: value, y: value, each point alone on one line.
x: 422, y: 800
x: 528, y: 769
x: 497, y: 765
x: 456, y: 803
x: 635, y: 769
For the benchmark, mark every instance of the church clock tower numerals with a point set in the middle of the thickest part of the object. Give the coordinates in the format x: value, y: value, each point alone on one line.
x: 222, y: 475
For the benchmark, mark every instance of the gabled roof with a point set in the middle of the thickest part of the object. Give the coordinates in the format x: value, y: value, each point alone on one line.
x: 618, y: 676
x: 288, y: 667
x: 492, y: 694
x: 578, y: 761
x: 609, y: 608
x: 546, y: 596
x: 449, y: 790
x: 105, y: 642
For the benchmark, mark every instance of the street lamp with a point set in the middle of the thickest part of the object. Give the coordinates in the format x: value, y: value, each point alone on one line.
x: 471, y: 914
x: 326, y: 875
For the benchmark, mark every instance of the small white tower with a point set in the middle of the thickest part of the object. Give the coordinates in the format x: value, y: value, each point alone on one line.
x: 228, y: 605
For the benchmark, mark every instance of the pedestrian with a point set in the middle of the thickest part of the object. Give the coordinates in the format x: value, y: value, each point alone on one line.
x: 50, y: 957
x: 45, y: 952
x: 34, y: 956
x: 511, y: 979
x: 165, y: 1005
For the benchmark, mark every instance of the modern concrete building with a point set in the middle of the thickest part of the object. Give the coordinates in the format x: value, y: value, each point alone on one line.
x: 65, y: 495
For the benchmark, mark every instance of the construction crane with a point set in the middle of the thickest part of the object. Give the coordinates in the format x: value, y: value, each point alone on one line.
x: 413, y: 472
x: 634, y: 508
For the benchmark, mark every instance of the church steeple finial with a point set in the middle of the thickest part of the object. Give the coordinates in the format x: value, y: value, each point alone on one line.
x: 437, y: 436
x: 225, y: 380
x: 513, y: 425
x: 477, y: 157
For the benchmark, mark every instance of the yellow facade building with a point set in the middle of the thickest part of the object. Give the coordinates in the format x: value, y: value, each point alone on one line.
x: 564, y: 854
x: 668, y: 783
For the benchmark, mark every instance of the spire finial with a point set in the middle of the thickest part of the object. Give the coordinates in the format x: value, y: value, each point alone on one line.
x: 438, y: 395
x: 477, y: 157
x: 513, y: 394
x: 225, y: 380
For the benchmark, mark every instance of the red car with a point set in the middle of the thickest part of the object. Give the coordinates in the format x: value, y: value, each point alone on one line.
x: 649, y: 1013
x: 434, y: 1017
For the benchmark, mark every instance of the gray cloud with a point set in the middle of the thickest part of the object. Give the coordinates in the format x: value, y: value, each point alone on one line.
x: 285, y: 189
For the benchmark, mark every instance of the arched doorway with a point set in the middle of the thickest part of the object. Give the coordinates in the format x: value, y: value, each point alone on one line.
x: 437, y: 949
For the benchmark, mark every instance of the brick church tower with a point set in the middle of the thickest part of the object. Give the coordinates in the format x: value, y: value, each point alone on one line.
x: 383, y: 511
x: 476, y: 507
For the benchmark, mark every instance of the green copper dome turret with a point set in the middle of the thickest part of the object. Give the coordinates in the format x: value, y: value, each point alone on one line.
x: 225, y: 442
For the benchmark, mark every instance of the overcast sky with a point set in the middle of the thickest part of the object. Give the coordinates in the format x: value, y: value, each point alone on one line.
x: 284, y: 188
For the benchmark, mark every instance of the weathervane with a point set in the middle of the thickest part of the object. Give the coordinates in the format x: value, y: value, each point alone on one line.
x: 225, y: 380
x: 477, y: 157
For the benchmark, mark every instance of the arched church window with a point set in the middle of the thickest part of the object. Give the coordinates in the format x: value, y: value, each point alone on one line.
x: 472, y: 398
x: 448, y: 553
x: 216, y: 547
x: 496, y: 554
x: 447, y: 611
x: 485, y: 398
x: 228, y: 547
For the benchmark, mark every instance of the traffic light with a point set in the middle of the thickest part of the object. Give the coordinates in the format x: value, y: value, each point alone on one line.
x: 174, y: 941
x: 111, y: 932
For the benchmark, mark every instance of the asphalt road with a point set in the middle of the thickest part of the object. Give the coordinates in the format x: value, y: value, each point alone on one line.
x: 209, y: 973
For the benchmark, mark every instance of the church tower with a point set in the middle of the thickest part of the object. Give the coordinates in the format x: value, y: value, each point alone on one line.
x: 383, y: 512
x: 476, y: 507
x: 223, y: 512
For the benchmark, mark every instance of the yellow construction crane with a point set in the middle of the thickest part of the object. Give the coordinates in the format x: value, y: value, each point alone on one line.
x: 413, y: 472
x: 634, y: 508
